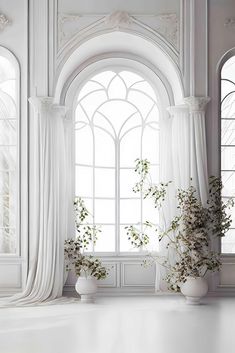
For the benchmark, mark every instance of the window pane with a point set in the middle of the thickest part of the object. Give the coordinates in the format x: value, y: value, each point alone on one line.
x: 84, y: 145
x: 7, y: 240
x: 130, y: 77
x: 228, y: 107
x: 228, y: 242
x: 228, y: 180
x: 8, y: 158
x: 154, y: 172
x: 104, y: 78
x: 141, y: 101
x: 130, y: 211
x: 104, y: 182
x: 231, y: 212
x: 84, y: 181
x: 106, y: 239
x: 228, y: 158
x: 8, y: 183
x: 8, y: 131
x: 128, y: 179
x: 153, y: 244
x: 105, y: 211
x: 117, y: 111
x: 130, y: 148
x: 125, y: 244
x: 7, y: 211
x: 91, y: 102
x: 151, y: 144
x: 117, y: 88
x: 145, y: 88
x: 104, y: 149
x: 150, y: 213
x: 228, y: 132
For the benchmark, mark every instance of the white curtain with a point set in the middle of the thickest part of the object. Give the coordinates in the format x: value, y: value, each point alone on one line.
x: 48, y: 204
x: 184, y: 157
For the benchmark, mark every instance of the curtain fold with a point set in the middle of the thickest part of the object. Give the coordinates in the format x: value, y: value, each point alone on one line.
x: 184, y: 157
x: 48, y: 204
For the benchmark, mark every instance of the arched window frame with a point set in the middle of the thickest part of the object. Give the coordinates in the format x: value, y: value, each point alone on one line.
x: 154, y: 77
x: 4, y: 52
x: 227, y: 56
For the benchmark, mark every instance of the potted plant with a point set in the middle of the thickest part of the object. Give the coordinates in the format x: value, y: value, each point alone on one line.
x: 189, y: 234
x: 87, y: 268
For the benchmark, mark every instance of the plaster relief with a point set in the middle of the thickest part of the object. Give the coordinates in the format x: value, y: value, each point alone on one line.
x: 4, y: 21
x: 69, y: 25
x: 118, y: 19
x: 167, y: 25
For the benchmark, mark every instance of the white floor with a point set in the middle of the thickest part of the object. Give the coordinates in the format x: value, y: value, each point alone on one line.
x: 121, y: 325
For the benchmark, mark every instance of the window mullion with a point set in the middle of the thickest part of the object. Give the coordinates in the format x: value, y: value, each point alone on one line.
x: 117, y: 196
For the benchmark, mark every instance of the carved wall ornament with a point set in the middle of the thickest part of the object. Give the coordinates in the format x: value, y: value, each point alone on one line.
x: 230, y: 22
x: 62, y: 19
x: 70, y: 25
x: 118, y: 19
x: 4, y: 21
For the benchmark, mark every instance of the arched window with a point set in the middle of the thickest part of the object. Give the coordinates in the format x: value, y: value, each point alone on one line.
x: 116, y: 121
x: 8, y: 152
x: 228, y: 143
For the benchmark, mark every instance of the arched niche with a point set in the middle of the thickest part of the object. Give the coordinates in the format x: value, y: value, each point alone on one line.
x: 123, y: 45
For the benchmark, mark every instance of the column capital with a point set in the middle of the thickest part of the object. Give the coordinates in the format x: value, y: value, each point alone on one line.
x: 197, y: 104
x: 46, y: 105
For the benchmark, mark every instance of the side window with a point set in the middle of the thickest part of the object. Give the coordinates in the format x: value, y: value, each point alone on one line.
x: 8, y: 153
x: 228, y: 143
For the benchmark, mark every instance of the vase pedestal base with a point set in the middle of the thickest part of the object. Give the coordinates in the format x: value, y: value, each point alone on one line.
x: 87, y: 298
x: 193, y: 300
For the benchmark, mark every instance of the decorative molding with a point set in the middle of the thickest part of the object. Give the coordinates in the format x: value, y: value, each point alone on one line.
x: 70, y: 24
x: 197, y: 104
x: 166, y: 25
x: 229, y: 22
x: 4, y: 21
x: 62, y: 20
x: 118, y: 19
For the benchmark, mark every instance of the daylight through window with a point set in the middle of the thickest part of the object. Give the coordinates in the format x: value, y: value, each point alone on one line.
x: 8, y: 156
x: 116, y: 121
x: 228, y: 144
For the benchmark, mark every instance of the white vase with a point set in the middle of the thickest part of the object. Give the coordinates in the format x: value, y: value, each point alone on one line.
x: 86, y: 287
x: 194, y: 289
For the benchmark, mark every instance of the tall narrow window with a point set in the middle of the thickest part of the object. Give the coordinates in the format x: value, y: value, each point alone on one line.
x: 8, y: 155
x: 116, y: 121
x: 228, y: 143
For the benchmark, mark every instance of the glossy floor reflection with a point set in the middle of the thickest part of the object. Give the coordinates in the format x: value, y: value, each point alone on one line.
x: 121, y: 325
